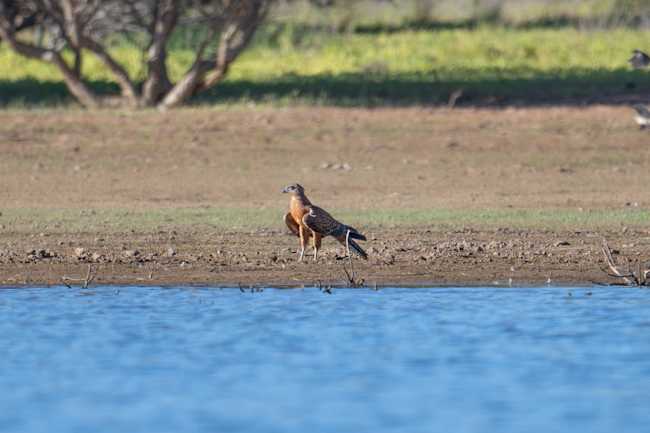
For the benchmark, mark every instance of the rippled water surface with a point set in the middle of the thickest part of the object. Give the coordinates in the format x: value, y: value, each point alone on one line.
x: 398, y: 360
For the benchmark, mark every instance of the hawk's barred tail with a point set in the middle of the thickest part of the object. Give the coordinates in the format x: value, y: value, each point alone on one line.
x: 354, y: 247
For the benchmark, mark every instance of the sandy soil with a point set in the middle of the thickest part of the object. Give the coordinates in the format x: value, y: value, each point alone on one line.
x: 543, y: 158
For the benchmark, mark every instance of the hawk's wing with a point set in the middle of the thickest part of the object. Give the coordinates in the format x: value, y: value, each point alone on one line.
x: 322, y: 222
x: 292, y: 224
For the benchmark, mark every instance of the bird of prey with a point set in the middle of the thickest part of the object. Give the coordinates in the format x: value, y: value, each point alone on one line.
x: 642, y: 116
x: 639, y: 59
x: 311, y: 222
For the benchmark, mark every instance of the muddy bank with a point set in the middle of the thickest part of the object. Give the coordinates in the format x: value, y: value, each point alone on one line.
x: 417, y: 256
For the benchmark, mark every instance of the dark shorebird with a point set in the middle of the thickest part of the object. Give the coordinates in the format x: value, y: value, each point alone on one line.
x: 642, y: 116
x: 639, y: 59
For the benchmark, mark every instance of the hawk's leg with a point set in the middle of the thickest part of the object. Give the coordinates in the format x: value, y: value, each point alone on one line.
x: 316, y: 242
x: 304, y: 238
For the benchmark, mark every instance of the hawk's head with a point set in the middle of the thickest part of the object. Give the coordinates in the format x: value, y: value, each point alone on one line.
x: 294, y: 188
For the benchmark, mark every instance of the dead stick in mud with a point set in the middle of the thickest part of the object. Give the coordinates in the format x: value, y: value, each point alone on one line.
x: 86, y: 281
x: 352, y: 278
x: 347, y: 246
x: 630, y: 278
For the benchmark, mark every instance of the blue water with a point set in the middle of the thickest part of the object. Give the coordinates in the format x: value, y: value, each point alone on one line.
x: 396, y: 360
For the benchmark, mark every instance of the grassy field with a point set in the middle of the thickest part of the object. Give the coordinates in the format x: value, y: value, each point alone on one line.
x: 107, y: 221
x: 290, y: 63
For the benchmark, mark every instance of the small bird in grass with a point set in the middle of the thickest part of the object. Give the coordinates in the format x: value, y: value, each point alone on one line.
x: 639, y: 59
x: 642, y: 116
x: 311, y: 222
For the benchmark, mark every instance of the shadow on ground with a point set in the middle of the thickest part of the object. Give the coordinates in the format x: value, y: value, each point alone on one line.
x: 543, y: 22
x: 374, y: 89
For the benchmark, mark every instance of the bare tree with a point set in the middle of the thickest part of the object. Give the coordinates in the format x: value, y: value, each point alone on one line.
x: 83, y: 27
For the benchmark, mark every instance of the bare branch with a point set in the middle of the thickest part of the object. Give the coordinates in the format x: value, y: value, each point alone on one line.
x: 72, y: 80
x: 90, y: 276
x: 638, y: 278
x: 238, y: 22
x: 626, y: 276
x: 351, y: 276
x: 128, y: 88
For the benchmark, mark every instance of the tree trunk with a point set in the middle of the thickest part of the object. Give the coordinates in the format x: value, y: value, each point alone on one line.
x: 157, y: 82
x: 186, y: 87
x: 206, y: 74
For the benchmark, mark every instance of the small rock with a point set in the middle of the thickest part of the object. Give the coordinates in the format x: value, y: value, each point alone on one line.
x: 171, y: 252
x: 325, y: 165
x: 347, y: 167
x: 561, y: 244
x: 131, y: 253
x: 46, y: 254
x: 80, y: 252
x: 96, y: 257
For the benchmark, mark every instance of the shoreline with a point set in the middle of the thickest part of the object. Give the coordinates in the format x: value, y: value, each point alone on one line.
x: 399, y: 257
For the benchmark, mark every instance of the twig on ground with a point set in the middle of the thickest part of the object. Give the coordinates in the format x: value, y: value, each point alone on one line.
x: 325, y: 289
x: 629, y: 277
x: 351, y: 276
x: 90, y: 276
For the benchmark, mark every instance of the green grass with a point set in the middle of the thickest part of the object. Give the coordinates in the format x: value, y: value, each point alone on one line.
x: 99, y: 221
x: 289, y: 64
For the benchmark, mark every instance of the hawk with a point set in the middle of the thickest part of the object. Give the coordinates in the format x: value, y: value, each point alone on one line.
x: 312, y: 222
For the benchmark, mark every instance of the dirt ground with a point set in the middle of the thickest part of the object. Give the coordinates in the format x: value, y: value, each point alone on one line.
x: 397, y: 257
x: 549, y: 158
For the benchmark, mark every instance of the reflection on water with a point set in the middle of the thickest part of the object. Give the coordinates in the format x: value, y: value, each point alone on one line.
x: 399, y: 360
